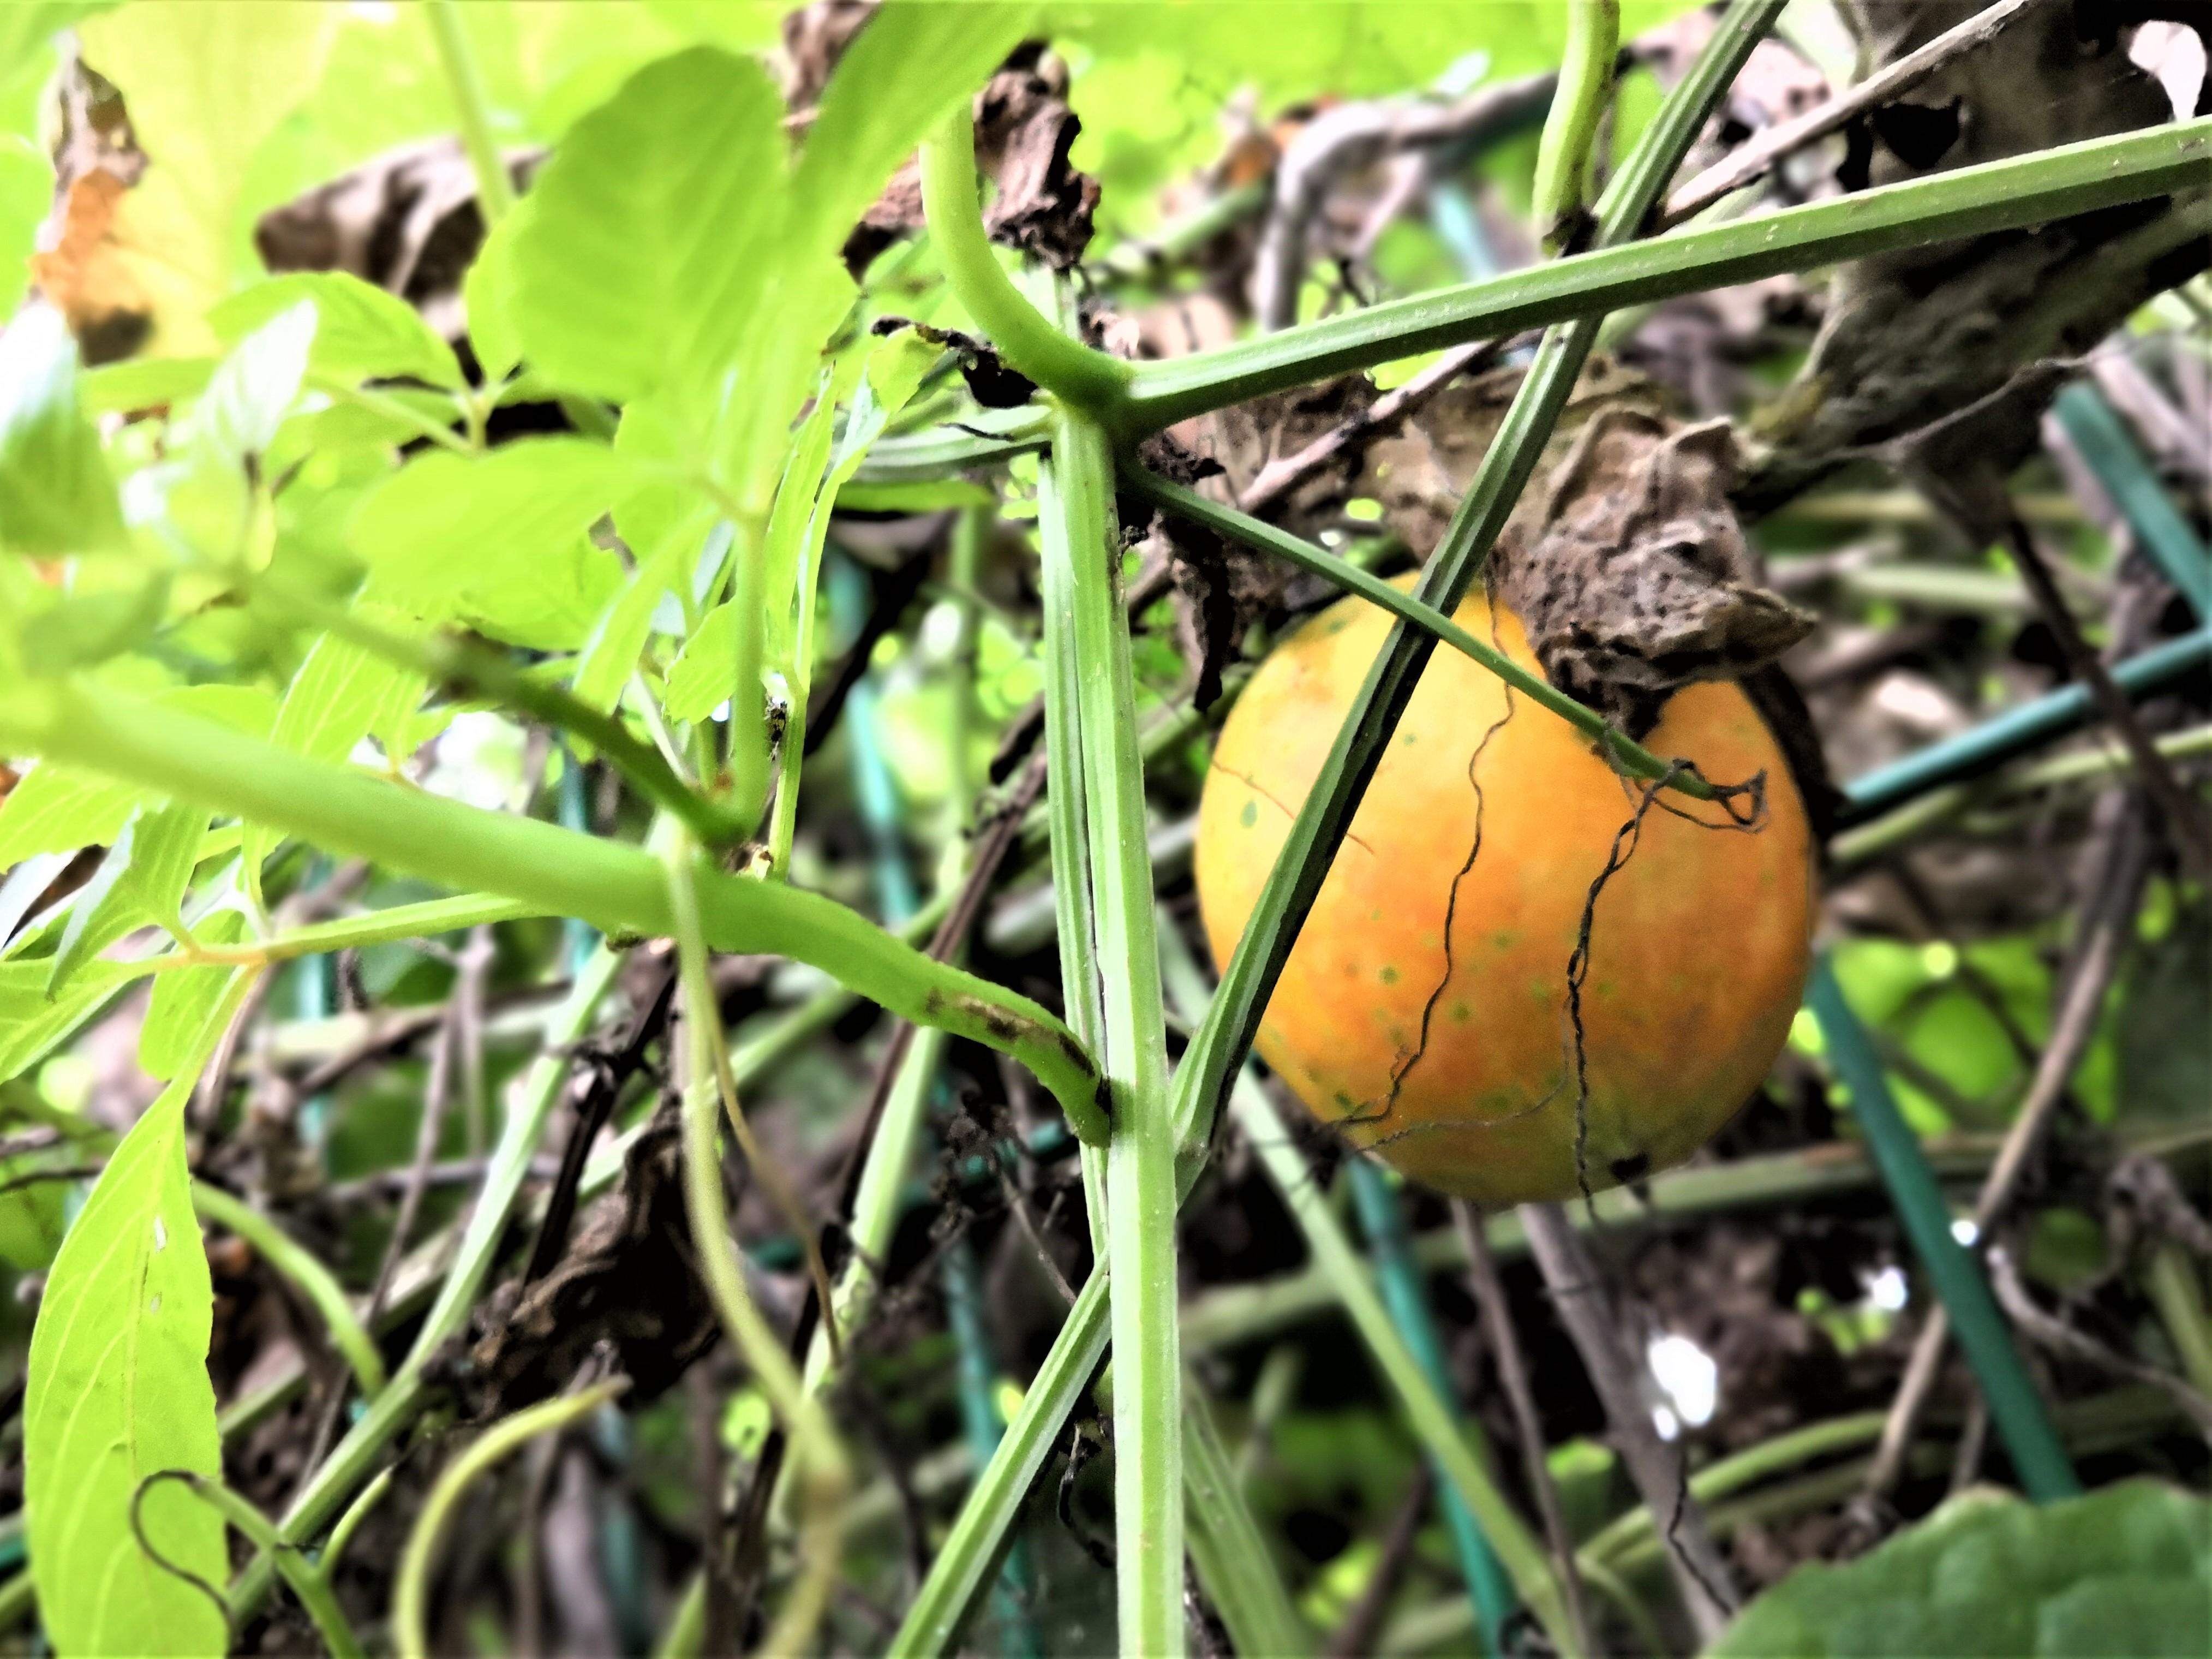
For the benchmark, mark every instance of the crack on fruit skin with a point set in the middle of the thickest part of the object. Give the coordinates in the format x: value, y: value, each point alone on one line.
x: 1400, y: 1072
x: 1625, y: 841
x: 1269, y: 795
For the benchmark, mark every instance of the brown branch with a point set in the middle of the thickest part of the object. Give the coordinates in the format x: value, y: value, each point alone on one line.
x: 2108, y: 920
x: 2180, y: 808
x: 1755, y: 158
x: 1513, y: 1373
x: 1281, y: 477
x: 2049, y: 1331
x: 1659, y: 1470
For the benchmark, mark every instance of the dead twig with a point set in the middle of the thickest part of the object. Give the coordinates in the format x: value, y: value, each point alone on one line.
x: 2179, y: 807
x: 2107, y: 923
x: 1661, y: 1474
x: 2049, y: 1331
x: 1755, y: 159
x: 1352, y: 135
x: 1281, y: 477
x: 1505, y: 1342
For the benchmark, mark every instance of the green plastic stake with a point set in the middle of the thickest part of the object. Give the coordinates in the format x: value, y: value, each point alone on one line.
x: 2126, y: 477
x: 1384, y: 1222
x: 2015, y: 731
x: 2047, y: 1474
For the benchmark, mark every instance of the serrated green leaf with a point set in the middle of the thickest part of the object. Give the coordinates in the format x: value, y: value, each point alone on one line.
x: 362, y: 333
x: 32, y: 1024
x: 118, y: 1390
x: 54, y: 810
x: 2125, y: 1570
x: 143, y: 383
x: 909, y: 67
x: 341, y: 693
x: 610, y: 657
x: 183, y: 1000
x: 488, y: 296
x: 254, y: 387
x: 141, y: 880
x: 654, y: 231
x: 56, y: 494
x: 498, y: 539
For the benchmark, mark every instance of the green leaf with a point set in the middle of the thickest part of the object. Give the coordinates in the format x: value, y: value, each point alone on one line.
x: 54, y: 810
x: 206, y: 84
x: 363, y: 333
x: 341, y: 693
x: 499, y: 540
x: 79, y: 630
x: 33, y: 1216
x: 655, y: 226
x: 487, y: 297
x: 141, y: 880
x: 27, y: 190
x: 2124, y: 1571
x: 31, y: 1024
x: 910, y: 66
x: 610, y: 655
x: 56, y: 494
x: 118, y: 1390
x: 699, y: 678
x: 183, y: 1002
x: 143, y: 383
x: 253, y: 388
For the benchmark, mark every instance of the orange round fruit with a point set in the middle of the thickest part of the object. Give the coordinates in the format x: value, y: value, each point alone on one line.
x: 1699, y: 943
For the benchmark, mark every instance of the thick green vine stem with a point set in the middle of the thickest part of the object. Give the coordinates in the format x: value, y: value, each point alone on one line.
x: 1025, y: 337
x: 620, y: 889
x: 1563, y: 157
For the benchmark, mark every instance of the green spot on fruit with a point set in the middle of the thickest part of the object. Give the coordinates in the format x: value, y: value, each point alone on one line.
x: 1540, y: 990
x: 1461, y: 1013
x: 1388, y: 976
x: 1376, y: 914
x: 1408, y: 741
x: 1505, y: 939
x: 1343, y: 1100
x: 1250, y: 815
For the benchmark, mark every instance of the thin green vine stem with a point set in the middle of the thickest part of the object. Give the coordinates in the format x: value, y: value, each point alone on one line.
x: 2006, y: 195
x: 309, y: 1583
x: 1406, y: 1297
x: 299, y: 1268
x: 1563, y: 154
x: 1630, y: 756
x: 824, y: 1476
x: 1082, y: 558
x: 619, y: 889
x: 494, y: 190
x: 1075, y: 925
x: 968, y: 1558
x: 1445, y: 1438
x: 350, y: 1462
x: 1025, y: 337
x: 411, y: 1588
